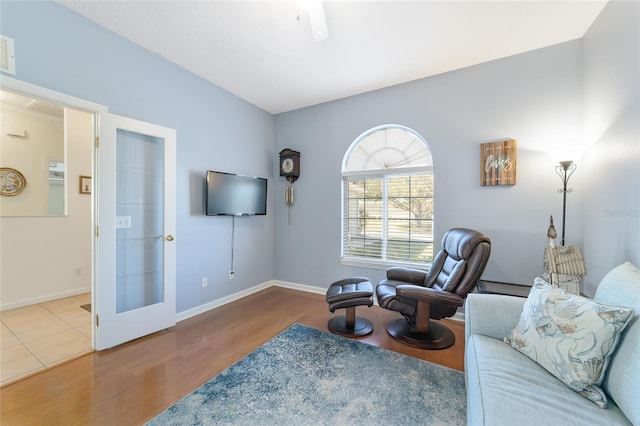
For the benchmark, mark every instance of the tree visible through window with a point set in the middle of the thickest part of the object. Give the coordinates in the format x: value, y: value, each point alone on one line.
x: 388, y: 198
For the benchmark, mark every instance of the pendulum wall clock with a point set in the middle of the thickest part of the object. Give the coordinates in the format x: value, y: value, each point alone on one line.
x: 290, y: 169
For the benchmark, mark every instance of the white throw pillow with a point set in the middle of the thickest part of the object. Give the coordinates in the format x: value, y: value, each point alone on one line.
x: 571, y: 336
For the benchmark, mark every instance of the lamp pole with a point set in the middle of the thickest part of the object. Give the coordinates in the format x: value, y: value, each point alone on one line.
x: 565, y: 169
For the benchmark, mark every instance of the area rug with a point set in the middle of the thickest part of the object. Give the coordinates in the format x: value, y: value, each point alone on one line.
x: 307, y: 376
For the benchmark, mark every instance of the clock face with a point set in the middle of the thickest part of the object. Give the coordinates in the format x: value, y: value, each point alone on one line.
x: 287, y: 165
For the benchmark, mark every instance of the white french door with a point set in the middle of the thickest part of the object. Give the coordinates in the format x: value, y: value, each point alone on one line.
x: 135, y: 230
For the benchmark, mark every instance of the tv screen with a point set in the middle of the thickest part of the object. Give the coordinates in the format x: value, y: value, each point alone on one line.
x: 235, y: 195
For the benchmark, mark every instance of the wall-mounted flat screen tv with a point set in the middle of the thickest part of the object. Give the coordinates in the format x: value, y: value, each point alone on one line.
x: 235, y: 195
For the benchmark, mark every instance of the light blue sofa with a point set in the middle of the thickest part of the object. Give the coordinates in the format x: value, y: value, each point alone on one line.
x: 505, y: 387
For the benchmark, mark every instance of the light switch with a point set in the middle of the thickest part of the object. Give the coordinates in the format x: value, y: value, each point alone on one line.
x: 123, y: 222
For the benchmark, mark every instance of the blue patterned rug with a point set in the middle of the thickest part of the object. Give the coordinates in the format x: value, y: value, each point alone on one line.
x: 306, y: 376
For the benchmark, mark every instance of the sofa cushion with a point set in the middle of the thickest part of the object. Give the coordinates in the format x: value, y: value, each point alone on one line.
x: 571, y: 336
x: 621, y: 286
x: 504, y: 387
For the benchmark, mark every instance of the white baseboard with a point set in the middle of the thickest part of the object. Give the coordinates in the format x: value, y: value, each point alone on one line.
x: 192, y: 312
x: 309, y: 288
x: 42, y: 299
x: 181, y: 316
x: 302, y: 287
x: 189, y: 313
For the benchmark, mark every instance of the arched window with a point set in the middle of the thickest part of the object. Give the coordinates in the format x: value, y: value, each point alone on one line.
x: 387, y: 217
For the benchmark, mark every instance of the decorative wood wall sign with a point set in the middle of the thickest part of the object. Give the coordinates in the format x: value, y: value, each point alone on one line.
x: 498, y: 163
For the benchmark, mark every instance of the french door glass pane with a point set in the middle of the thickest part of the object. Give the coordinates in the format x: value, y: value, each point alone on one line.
x: 139, y: 221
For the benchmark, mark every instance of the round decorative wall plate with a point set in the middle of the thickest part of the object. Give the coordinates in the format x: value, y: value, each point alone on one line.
x: 12, y: 182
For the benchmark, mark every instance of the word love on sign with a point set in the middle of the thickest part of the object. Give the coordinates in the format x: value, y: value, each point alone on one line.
x: 498, y: 163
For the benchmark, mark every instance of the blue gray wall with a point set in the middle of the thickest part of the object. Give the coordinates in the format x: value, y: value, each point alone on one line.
x: 612, y: 124
x: 59, y: 50
x: 537, y: 98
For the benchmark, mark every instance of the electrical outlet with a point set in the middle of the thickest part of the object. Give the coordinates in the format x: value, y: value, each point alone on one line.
x: 231, y: 275
x: 77, y: 272
x: 204, y: 282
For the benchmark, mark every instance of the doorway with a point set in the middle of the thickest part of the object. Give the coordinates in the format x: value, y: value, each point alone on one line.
x: 46, y: 236
x: 140, y: 158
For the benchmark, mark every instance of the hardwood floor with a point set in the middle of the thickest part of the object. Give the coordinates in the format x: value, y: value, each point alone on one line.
x: 132, y: 383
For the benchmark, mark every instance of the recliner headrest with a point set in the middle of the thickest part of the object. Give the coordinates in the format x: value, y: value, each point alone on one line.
x: 459, y: 242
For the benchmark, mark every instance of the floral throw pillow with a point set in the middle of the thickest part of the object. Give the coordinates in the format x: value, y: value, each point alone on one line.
x: 571, y: 336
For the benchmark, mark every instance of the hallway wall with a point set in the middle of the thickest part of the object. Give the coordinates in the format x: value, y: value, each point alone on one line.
x: 49, y: 257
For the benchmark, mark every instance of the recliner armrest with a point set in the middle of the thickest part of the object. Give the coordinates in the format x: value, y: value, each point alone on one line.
x: 409, y: 275
x: 429, y: 295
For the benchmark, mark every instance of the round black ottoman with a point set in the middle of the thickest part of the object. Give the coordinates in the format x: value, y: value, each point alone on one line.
x: 349, y: 293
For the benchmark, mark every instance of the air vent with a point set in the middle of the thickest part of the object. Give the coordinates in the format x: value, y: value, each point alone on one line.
x: 7, y: 55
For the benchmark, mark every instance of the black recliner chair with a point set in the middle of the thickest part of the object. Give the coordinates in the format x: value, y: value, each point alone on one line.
x: 423, y: 296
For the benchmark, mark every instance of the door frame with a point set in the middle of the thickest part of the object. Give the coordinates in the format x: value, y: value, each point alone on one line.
x: 48, y: 95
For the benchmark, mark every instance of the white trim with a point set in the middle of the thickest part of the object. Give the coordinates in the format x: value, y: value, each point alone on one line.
x: 309, y: 288
x: 192, y: 312
x: 46, y: 298
x: 42, y: 93
x: 402, y: 171
x: 31, y: 90
x: 363, y: 135
x: 189, y: 313
x: 301, y: 287
x: 9, y: 54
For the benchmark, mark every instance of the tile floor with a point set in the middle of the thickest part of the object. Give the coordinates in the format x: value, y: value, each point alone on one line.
x: 40, y: 336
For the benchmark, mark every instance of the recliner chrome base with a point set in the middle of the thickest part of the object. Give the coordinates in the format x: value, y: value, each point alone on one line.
x: 438, y: 336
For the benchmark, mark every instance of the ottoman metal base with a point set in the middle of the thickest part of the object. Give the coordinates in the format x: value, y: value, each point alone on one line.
x: 350, y: 327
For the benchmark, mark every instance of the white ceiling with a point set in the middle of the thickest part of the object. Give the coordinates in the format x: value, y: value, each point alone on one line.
x: 261, y: 52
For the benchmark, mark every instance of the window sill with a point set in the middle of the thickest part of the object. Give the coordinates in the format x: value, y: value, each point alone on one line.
x: 382, y: 264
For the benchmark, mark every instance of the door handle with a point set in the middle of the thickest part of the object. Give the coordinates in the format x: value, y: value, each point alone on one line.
x: 168, y: 238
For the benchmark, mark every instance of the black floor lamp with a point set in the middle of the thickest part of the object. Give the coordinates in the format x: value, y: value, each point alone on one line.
x: 565, y: 169
x: 566, y: 263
